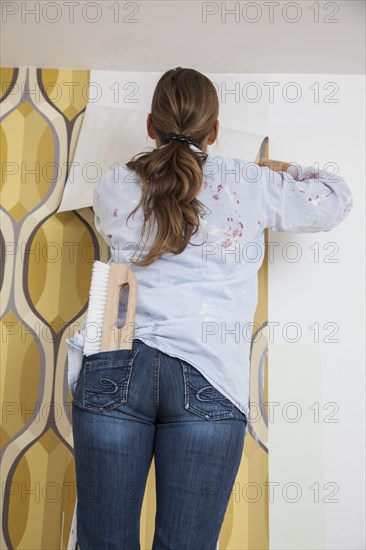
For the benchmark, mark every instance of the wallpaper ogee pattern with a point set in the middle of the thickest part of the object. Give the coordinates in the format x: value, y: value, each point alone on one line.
x: 45, y: 272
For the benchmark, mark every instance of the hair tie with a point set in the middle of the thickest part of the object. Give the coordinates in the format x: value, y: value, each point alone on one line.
x: 181, y: 137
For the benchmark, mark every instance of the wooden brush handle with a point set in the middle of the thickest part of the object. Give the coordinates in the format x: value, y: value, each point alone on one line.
x: 275, y: 165
x: 114, y: 338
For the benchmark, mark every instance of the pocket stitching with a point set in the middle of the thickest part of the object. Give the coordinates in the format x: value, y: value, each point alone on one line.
x: 188, y: 391
x: 124, y: 387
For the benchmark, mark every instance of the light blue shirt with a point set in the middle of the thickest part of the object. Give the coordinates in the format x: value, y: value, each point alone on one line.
x: 199, y: 305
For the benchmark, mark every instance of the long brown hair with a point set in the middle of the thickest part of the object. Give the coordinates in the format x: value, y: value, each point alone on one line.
x: 184, y: 102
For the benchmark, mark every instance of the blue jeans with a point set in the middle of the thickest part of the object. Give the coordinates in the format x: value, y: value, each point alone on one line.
x: 131, y: 405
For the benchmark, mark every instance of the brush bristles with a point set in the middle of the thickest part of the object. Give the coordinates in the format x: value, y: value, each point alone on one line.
x: 96, y: 307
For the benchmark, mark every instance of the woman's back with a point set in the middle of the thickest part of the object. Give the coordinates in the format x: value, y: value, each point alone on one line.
x: 199, y: 305
x: 172, y: 394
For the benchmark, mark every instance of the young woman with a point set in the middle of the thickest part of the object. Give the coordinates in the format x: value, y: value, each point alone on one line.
x: 190, y: 226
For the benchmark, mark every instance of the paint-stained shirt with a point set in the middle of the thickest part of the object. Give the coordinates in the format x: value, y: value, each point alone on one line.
x: 199, y: 305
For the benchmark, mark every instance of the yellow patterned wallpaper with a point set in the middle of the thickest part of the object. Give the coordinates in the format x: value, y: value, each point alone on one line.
x: 45, y: 280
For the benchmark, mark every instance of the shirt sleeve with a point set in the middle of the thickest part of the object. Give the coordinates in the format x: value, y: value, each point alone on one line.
x: 304, y: 199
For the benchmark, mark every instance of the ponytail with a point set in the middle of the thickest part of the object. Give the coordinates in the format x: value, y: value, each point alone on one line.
x: 185, y: 102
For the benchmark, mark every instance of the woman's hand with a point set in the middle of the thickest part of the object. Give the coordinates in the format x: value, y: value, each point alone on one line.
x: 275, y: 165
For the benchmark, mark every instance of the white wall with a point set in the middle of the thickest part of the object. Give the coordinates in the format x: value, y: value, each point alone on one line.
x: 149, y: 35
x: 310, y: 291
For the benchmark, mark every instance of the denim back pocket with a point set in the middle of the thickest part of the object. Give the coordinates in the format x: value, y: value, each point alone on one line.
x: 202, y: 398
x: 105, y: 378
